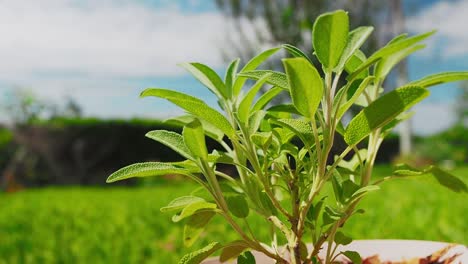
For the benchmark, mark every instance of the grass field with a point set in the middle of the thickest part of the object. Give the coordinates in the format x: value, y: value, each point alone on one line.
x: 124, y: 225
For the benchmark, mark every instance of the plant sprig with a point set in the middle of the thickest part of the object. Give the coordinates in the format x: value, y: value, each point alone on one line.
x: 282, y: 153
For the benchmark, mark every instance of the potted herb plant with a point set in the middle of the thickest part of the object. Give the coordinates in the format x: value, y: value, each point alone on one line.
x: 282, y: 152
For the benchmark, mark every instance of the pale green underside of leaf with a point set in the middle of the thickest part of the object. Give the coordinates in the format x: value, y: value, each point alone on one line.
x: 180, y: 202
x: 244, y: 106
x: 194, y: 106
x: 207, y: 77
x: 306, y: 86
x: 198, y: 256
x: 195, y: 226
x: 266, y: 98
x: 194, y: 139
x: 210, y: 130
x: 146, y: 169
x: 382, y: 111
x: 296, y: 52
x: 330, y: 35
x: 356, y: 39
x: 231, y: 76
x: 194, y: 208
x: 252, y: 65
x: 440, y: 78
x: 385, y: 65
x: 300, y: 128
x: 389, y: 50
x: 171, y: 139
x: 275, y: 78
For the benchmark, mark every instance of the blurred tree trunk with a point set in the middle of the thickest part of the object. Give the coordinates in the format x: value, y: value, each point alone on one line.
x: 398, y: 22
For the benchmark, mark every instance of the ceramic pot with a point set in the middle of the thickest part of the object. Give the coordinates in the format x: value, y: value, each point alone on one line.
x: 387, y: 250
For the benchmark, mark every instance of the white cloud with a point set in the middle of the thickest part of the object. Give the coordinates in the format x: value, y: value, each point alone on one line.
x: 430, y: 118
x: 450, y: 19
x: 103, y: 38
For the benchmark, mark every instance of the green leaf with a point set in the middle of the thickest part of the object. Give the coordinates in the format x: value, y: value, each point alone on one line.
x: 302, y: 129
x: 194, y: 139
x: 440, y: 78
x: 355, y: 90
x: 354, y: 63
x: 353, y: 256
x: 330, y: 36
x: 171, y: 139
x: 285, y: 108
x: 237, y: 205
x: 243, y: 110
x: 230, y: 76
x: 356, y: 38
x: 255, y: 120
x: 266, y: 98
x: 246, y: 258
x: 146, y: 169
x: 210, y: 130
x: 275, y: 78
x: 389, y: 50
x: 385, y: 65
x: 194, y: 208
x: 382, y: 111
x: 252, y: 65
x: 448, y: 180
x: 207, y: 77
x: 233, y: 250
x: 195, y: 106
x: 198, y: 256
x: 195, y: 226
x: 180, y: 203
x: 342, y: 239
x: 363, y: 191
x: 296, y: 52
x: 306, y: 86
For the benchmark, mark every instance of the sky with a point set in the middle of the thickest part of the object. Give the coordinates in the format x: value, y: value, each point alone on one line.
x: 104, y: 53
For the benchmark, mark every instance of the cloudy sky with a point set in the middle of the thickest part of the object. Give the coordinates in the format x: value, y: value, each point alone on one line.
x: 103, y: 53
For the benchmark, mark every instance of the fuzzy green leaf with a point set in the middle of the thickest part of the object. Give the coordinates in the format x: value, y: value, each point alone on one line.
x: 210, y: 130
x: 382, y: 111
x: 252, y: 65
x: 244, y: 106
x: 233, y: 250
x: 356, y: 38
x: 230, y: 76
x: 306, y: 86
x: 207, y: 77
x: 194, y: 139
x: 266, y: 98
x: 180, y: 203
x: 198, y: 256
x: 440, y: 78
x: 385, y: 65
x: 448, y: 180
x: 237, y: 205
x: 275, y: 78
x: 195, y: 226
x: 330, y: 36
x: 353, y: 256
x: 354, y: 63
x: 194, y: 208
x: 171, y: 139
x: 300, y: 128
x: 295, y: 52
x: 353, y: 95
x: 255, y: 120
x: 194, y: 106
x: 389, y: 50
x: 342, y: 239
x: 147, y: 169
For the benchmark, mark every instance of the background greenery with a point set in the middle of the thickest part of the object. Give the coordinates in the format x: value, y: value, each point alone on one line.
x: 124, y: 225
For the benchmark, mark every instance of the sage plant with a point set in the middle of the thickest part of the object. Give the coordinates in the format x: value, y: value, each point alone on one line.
x: 282, y: 152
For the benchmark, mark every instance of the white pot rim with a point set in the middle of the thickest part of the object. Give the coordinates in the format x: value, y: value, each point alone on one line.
x: 387, y: 250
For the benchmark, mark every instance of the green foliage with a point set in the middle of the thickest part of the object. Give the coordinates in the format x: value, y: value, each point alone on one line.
x: 280, y: 178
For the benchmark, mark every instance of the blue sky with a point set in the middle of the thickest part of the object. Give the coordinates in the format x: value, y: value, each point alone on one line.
x: 103, y: 53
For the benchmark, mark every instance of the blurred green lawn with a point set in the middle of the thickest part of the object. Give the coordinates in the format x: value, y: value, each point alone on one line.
x: 124, y: 225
